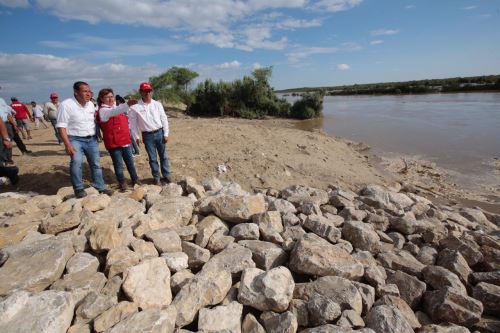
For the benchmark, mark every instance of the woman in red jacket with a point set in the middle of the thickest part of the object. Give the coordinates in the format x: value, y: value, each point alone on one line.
x: 116, y: 134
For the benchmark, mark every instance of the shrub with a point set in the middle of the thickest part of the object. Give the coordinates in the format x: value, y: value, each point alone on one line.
x: 309, y: 106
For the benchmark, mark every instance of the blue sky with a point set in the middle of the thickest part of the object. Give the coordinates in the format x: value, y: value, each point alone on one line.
x: 46, y: 45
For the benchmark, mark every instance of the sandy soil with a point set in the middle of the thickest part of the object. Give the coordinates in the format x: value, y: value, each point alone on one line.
x: 255, y: 153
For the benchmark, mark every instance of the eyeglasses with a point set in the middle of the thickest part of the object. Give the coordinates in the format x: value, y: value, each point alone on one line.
x: 108, y: 96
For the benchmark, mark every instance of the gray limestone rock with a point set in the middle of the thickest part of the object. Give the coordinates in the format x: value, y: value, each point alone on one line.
x: 489, y: 295
x: 285, y: 322
x: 387, y: 319
x: 222, y: 318
x: 438, y: 277
x: 362, y: 236
x: 150, y: 320
x: 410, y: 288
x: 266, y: 255
x: 165, y: 240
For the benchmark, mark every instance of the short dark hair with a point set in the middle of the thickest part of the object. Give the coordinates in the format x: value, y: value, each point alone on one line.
x: 119, y: 99
x: 13, y: 98
x: 102, y: 93
x: 32, y: 102
x: 78, y: 84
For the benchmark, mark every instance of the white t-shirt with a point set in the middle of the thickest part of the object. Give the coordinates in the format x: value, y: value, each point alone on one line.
x: 78, y: 120
x: 147, y: 117
x: 38, y: 111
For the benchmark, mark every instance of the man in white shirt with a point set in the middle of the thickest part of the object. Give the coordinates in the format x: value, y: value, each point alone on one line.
x: 38, y: 114
x: 149, y: 119
x: 77, y: 128
x: 50, y: 110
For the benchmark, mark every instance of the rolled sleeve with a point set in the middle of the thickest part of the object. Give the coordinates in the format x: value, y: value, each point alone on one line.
x: 62, y: 117
x: 132, y: 117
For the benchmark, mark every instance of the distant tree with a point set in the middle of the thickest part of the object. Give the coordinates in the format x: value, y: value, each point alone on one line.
x: 177, y: 78
x: 262, y: 75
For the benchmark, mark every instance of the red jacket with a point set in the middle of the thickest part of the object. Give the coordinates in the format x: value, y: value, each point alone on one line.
x: 115, y: 131
x: 22, y: 111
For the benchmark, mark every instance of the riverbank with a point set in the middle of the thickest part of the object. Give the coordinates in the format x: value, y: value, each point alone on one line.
x: 256, y: 154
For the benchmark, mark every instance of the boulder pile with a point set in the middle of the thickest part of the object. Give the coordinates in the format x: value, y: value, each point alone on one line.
x: 212, y: 257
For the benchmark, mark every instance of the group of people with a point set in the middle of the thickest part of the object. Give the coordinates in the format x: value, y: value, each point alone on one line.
x: 124, y: 125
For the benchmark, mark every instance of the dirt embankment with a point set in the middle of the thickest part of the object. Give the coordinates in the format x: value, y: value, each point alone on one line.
x: 255, y: 153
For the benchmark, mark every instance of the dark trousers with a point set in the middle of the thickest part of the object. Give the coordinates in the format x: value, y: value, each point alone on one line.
x: 54, y: 122
x: 9, y: 171
x: 17, y: 139
x: 123, y: 154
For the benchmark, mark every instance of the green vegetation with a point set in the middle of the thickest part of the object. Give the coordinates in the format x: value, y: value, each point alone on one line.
x: 459, y: 84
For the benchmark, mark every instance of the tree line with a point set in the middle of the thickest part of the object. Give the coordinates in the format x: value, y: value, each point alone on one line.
x: 249, y: 97
x: 457, y: 84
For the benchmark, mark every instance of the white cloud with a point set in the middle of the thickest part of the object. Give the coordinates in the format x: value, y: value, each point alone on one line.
x: 36, y: 75
x: 336, y: 5
x: 297, y: 23
x: 93, y: 46
x: 343, y: 67
x: 351, y: 47
x: 256, y: 66
x: 410, y: 7
x: 226, y: 65
x: 376, y: 42
x: 15, y: 3
x: 384, y: 32
x: 296, y: 56
x: 469, y: 7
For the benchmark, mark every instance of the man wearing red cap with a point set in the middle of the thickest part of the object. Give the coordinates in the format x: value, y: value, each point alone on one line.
x: 50, y: 111
x: 23, y: 115
x: 149, y: 119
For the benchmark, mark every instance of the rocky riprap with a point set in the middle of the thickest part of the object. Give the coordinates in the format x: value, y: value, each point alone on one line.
x: 212, y: 257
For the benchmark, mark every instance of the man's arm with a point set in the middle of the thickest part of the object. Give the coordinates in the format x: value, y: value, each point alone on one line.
x: 64, y: 136
x: 62, y: 124
x: 164, y: 122
x: 5, y: 135
x: 12, y: 121
x: 132, y: 117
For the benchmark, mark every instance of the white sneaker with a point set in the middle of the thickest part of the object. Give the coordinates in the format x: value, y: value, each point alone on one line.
x: 4, y: 181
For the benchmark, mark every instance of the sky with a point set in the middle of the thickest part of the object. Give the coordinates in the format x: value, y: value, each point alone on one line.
x: 47, y: 45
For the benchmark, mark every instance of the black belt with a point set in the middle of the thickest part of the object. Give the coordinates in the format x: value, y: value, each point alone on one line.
x: 151, y: 132
x: 83, y: 137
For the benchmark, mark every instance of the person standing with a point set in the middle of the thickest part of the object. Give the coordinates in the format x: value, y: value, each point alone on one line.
x: 77, y: 128
x: 50, y: 110
x: 38, y: 114
x: 135, y: 148
x: 116, y: 135
x: 149, y: 119
x: 23, y: 115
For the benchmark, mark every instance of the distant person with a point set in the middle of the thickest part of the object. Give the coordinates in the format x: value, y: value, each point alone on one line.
x: 135, y: 148
x: 6, y: 168
x: 50, y: 111
x: 8, y: 116
x: 116, y: 135
x: 38, y: 114
x: 23, y: 116
x: 149, y: 119
x: 77, y: 128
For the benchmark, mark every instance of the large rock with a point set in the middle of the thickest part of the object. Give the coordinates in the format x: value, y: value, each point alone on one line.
x: 402, y: 306
x: 237, y: 208
x: 104, y: 236
x: 468, y: 248
x: 251, y: 325
x: 235, y: 258
x: 172, y: 212
x: 47, y: 311
x: 336, y: 289
x: 379, y: 197
x: 35, y: 266
x: 266, y: 255
x: 362, y: 236
x: 438, y: 277
x: 266, y: 291
x: 300, y: 195
x: 448, y: 305
x: 411, y: 289
x: 15, y: 233
x: 401, y: 260
x: 150, y: 320
x: 387, y: 319
x: 285, y: 322
x: 223, y: 318
x: 165, y: 240
x: 148, y: 284
x: 208, y: 287
x: 60, y: 223
x: 489, y: 295
x: 114, y: 315
x: 455, y: 262
x: 323, y: 227
x: 315, y: 256
x: 206, y: 229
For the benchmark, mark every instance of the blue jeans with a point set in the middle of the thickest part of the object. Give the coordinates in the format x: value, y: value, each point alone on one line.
x: 125, y: 154
x: 89, y: 147
x: 153, y: 142
x: 135, y: 147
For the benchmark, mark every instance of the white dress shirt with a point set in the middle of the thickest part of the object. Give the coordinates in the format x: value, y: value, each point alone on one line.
x: 147, y: 118
x: 78, y: 120
x: 50, y: 109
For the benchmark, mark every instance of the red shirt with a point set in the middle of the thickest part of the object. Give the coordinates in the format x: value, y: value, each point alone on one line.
x: 22, y: 111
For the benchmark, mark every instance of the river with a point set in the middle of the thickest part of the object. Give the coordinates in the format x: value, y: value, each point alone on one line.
x: 459, y: 132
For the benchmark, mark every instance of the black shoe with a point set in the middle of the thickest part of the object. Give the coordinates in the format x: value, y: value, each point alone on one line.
x: 29, y: 152
x: 11, y: 172
x: 157, y: 182
x: 80, y: 193
x: 136, y: 182
x: 106, y: 191
x: 122, y: 187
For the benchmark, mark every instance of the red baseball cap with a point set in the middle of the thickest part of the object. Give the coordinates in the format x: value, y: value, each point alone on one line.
x: 145, y: 86
x: 53, y: 95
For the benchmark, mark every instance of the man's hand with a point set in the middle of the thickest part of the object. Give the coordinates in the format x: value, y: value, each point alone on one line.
x: 70, y: 150
x: 7, y: 144
x: 165, y: 139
